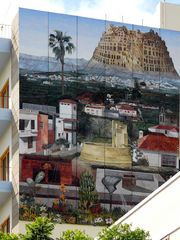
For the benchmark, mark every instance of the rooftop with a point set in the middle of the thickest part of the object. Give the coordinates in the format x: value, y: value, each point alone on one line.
x: 159, y: 142
x: 67, y: 101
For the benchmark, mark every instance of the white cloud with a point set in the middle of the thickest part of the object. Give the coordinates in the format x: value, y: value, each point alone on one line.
x: 9, y: 8
x: 115, y: 10
x: 131, y: 10
x: 45, y: 5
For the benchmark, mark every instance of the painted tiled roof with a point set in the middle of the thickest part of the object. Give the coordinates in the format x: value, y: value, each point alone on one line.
x: 159, y: 142
x: 166, y: 127
x: 125, y: 107
x: 69, y: 120
x: 94, y: 105
x: 67, y: 101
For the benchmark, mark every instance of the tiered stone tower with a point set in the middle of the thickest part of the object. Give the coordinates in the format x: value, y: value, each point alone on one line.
x: 133, y: 50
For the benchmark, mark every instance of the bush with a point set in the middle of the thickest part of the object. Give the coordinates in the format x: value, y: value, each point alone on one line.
x: 123, y: 232
x: 40, y: 229
x: 6, y: 236
x: 74, y: 235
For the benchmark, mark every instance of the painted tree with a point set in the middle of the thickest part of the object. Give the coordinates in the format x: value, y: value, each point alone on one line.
x: 87, y: 192
x: 60, y: 44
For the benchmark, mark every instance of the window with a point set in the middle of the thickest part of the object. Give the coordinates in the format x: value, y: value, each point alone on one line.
x: 5, y: 226
x: 168, y: 160
x: 4, y: 94
x: 4, y: 166
x: 30, y: 142
x: 21, y: 124
x: 41, y: 125
x: 32, y: 124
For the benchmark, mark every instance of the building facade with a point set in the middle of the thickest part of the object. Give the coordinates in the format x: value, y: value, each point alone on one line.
x: 79, y: 126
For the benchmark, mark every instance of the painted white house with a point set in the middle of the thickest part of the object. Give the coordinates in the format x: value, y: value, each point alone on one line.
x: 95, y: 109
x: 160, y: 150
x: 28, y: 131
x: 126, y: 110
x: 66, y: 123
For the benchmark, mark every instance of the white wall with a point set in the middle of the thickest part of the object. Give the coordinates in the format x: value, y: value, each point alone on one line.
x: 28, y: 117
x: 23, y: 146
x: 5, y: 75
x: 59, y: 128
x: 6, y: 211
x: 94, y: 111
x: 169, y: 16
x: 59, y: 228
x: 67, y: 110
x: 154, y: 158
x: 159, y: 212
x: 6, y: 142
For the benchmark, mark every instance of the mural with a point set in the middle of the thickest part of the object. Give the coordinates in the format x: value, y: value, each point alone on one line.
x: 99, y: 116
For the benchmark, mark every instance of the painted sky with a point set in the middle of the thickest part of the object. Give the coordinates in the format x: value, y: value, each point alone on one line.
x: 85, y: 32
x: 133, y: 11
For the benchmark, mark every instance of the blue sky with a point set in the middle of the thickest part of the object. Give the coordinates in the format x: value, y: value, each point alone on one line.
x: 132, y: 11
x: 85, y: 32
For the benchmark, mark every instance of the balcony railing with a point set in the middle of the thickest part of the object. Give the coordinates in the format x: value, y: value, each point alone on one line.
x: 5, y: 31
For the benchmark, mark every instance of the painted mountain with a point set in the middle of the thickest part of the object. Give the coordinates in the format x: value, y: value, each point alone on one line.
x: 49, y: 64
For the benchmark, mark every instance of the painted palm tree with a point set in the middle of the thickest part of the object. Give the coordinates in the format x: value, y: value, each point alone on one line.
x: 60, y: 44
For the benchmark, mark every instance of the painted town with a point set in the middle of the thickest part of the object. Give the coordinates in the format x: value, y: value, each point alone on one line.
x: 99, y: 135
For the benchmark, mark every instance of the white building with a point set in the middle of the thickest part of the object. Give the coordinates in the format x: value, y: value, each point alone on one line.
x: 126, y: 110
x: 9, y: 152
x: 28, y: 131
x: 160, y: 150
x: 95, y: 109
x: 66, y: 124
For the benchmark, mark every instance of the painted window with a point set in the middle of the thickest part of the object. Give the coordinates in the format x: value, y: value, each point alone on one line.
x: 32, y: 124
x: 41, y: 125
x: 30, y: 142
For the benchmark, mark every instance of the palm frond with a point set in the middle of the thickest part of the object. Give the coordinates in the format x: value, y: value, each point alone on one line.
x: 60, y: 44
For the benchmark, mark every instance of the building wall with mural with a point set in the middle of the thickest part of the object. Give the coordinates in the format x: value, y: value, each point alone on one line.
x: 99, y: 114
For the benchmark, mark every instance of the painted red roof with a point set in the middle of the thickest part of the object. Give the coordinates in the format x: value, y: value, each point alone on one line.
x: 97, y: 106
x: 166, y: 127
x: 125, y: 107
x: 69, y: 120
x: 67, y: 101
x: 159, y: 142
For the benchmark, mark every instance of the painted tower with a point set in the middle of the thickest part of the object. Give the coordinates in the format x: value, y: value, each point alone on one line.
x: 66, y: 124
